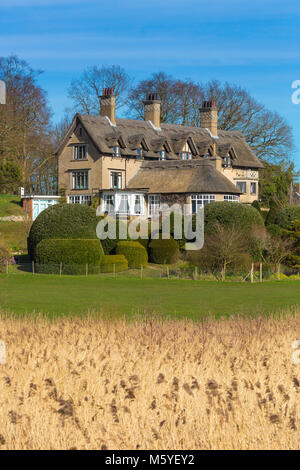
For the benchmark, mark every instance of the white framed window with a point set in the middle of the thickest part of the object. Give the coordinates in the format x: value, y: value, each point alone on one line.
x: 253, y: 188
x: 201, y: 200
x: 162, y: 155
x: 123, y: 203
x: 138, y: 204
x: 108, y: 203
x: 231, y: 198
x: 80, y: 179
x: 139, y: 152
x: 153, y: 204
x: 80, y: 199
x: 116, y: 179
x: 186, y: 155
x: 80, y: 152
x: 242, y: 186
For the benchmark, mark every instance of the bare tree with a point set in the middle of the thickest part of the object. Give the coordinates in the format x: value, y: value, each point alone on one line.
x: 225, y: 247
x: 25, y: 120
x: 180, y: 100
x: 86, y: 90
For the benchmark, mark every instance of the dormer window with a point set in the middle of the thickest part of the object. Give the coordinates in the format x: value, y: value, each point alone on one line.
x: 162, y: 155
x: 185, y: 155
x: 116, y: 150
x: 80, y: 152
x: 139, y: 152
x: 227, y: 161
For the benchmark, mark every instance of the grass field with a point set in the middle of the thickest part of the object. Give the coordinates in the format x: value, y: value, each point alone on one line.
x: 77, y: 295
x: 94, y: 384
x: 10, y: 205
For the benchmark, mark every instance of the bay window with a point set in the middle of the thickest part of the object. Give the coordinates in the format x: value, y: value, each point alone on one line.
x: 252, y: 188
x: 241, y: 185
x: 153, y: 205
x: 123, y: 203
x: 108, y: 203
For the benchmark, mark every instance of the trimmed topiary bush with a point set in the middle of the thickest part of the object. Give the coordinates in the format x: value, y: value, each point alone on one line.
x: 230, y: 214
x: 63, y: 221
x: 134, y: 252
x: 287, y: 216
x: 73, y: 254
x: 256, y: 205
x: 113, y: 263
x: 163, y: 251
x: 272, y: 214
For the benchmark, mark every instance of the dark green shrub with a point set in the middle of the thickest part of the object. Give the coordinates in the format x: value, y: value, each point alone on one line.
x: 163, y: 251
x: 256, y: 205
x: 134, y: 252
x: 230, y: 214
x: 272, y: 214
x: 113, y: 263
x: 287, y: 216
x: 69, y: 252
x: 275, y: 230
x: 63, y: 221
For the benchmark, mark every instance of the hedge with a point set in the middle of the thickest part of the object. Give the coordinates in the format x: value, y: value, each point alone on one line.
x: 134, y: 252
x: 113, y: 263
x: 63, y: 221
x: 72, y: 253
x: 232, y: 214
x: 163, y: 251
x: 287, y: 216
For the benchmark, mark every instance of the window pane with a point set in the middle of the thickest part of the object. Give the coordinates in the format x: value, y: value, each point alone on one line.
x: 241, y: 185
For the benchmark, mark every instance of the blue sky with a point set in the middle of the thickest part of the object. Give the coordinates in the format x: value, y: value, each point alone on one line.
x: 255, y: 44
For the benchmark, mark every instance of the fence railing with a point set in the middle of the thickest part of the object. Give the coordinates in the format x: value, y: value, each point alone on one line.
x: 257, y: 273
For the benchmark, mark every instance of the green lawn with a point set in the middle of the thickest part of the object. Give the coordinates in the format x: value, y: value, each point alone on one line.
x: 10, y: 205
x: 79, y: 294
x: 14, y: 235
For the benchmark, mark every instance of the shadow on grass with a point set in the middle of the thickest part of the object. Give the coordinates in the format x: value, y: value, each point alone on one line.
x: 23, y: 263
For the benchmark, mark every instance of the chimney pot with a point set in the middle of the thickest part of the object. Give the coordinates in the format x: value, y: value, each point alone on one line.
x: 152, y: 109
x: 209, y: 116
x: 108, y: 104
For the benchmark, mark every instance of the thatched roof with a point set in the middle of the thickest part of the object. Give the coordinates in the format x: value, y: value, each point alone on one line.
x: 192, y: 176
x: 130, y: 134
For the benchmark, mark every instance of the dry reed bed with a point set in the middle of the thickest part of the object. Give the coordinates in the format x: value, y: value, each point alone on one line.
x: 95, y: 384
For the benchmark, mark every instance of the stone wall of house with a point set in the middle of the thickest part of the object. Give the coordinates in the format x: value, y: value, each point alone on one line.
x: 67, y: 163
x: 127, y: 166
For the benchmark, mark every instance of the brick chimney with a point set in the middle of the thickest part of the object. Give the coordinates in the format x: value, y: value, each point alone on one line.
x: 108, y: 104
x: 2, y: 93
x: 209, y: 117
x: 152, y: 109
